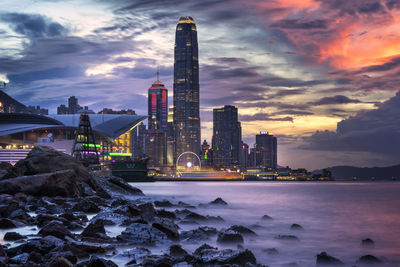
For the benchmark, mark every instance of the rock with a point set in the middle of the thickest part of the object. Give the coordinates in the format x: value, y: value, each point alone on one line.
x: 296, y: 226
x: 157, y: 261
x: 271, y: 251
x: 196, y: 217
x: 218, y: 201
x: 54, y: 241
x: 163, y: 203
x: 43, y: 219
x: 2, y: 252
x: 60, y: 262
x: 199, y: 234
x: 7, y: 171
x: 35, y: 257
x: 214, y: 218
x: 97, y: 262
x: 114, y: 186
x: 209, y: 256
x: 20, y: 259
x: 229, y: 237
x: 137, y: 254
x: 56, y: 229
x: 168, y: 227
x: 40, y: 246
x: 368, y: 242
x: 142, y: 234
x: 242, y: 229
x: 86, y: 206
x: 266, y: 217
x: 177, y: 251
x: 7, y: 224
x: 369, y: 259
x: 7, y: 208
x: 166, y: 214
x: 287, y: 237
x: 185, y: 205
x: 90, y: 248
x: 324, y: 259
x: 13, y: 236
x: 95, y: 229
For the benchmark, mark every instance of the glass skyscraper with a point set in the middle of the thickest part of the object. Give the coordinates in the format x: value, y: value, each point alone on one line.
x: 158, y: 106
x: 186, y: 88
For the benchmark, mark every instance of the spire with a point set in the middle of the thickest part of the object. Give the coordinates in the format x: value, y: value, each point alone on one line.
x: 158, y: 74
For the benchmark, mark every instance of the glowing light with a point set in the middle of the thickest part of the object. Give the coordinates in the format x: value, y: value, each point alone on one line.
x: 120, y: 154
x: 189, y: 164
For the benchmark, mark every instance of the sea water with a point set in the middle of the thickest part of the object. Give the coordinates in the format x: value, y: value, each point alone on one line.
x: 335, y: 216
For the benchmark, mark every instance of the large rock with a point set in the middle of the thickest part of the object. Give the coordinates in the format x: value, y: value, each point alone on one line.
x: 209, y: 256
x: 168, y: 227
x: 229, y: 237
x: 324, y: 259
x: 369, y: 259
x: 7, y: 224
x: 142, y: 234
x: 243, y: 230
x: 13, y: 236
x: 7, y: 171
x: 97, y: 262
x: 55, y: 228
x: 199, y: 234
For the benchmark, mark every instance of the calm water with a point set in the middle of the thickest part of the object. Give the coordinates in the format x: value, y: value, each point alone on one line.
x: 336, y: 216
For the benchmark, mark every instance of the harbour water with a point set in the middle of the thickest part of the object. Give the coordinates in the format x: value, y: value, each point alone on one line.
x: 335, y: 216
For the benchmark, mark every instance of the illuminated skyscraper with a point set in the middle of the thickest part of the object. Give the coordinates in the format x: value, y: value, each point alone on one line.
x: 186, y: 88
x: 158, y: 106
x: 266, y: 151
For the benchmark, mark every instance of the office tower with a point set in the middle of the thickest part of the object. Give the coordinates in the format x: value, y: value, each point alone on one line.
x: 156, y: 147
x: 206, y: 156
x: 73, y: 106
x: 266, y: 150
x: 244, y: 156
x: 62, y: 109
x: 157, y: 106
x: 227, y: 135
x: 170, y: 137
x: 186, y: 88
x: 141, y: 140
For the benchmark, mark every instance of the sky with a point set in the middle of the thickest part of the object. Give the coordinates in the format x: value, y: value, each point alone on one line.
x: 322, y: 76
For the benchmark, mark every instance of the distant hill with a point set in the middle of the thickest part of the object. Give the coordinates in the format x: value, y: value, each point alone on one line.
x: 379, y: 173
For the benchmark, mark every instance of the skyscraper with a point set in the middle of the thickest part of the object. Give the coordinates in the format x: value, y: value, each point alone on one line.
x: 157, y: 106
x: 186, y: 88
x: 227, y: 136
x: 266, y: 150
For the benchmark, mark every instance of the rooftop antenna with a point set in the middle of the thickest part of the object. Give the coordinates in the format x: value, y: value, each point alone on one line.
x: 158, y: 74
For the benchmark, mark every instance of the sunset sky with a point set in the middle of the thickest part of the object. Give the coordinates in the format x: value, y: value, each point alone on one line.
x: 322, y: 76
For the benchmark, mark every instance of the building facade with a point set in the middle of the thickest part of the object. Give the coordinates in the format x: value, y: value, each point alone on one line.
x: 157, y: 106
x: 186, y: 88
x: 227, y: 136
x: 266, y: 152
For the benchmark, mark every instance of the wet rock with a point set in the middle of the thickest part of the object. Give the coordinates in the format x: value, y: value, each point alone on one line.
x: 190, y: 222
x: 242, y: 230
x: 43, y: 219
x: 208, y: 255
x: 13, y: 236
x: 214, y: 218
x: 7, y: 171
x: 185, y: 205
x: 60, y: 262
x: 2, y: 252
x: 266, y: 217
x: 195, y: 216
x: 7, y: 208
x: 36, y: 245
x: 166, y: 214
x: 86, y: 206
x: 287, y: 237
x: 229, y: 237
x: 35, y: 257
x: 147, y: 211
x: 97, y: 262
x: 168, y: 227
x: 114, y: 186
x: 296, y: 226
x: 199, y: 234
x: 369, y: 259
x: 95, y: 229
x: 324, y: 259
x: 20, y: 215
x: 56, y: 229
x: 271, y: 251
x: 368, y: 242
x: 20, y: 259
x: 218, y: 201
x: 177, y: 251
x: 163, y: 203
x: 69, y: 216
x: 133, y: 210
x: 142, y: 234
x: 7, y: 224
x: 157, y: 261
x: 91, y: 248
x: 137, y: 254
x: 54, y: 241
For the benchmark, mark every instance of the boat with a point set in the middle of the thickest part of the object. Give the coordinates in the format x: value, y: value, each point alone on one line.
x: 132, y: 170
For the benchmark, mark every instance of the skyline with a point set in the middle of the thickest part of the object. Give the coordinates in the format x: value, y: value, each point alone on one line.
x: 291, y: 69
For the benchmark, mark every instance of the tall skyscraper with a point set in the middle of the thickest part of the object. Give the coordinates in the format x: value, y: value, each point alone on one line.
x: 266, y: 150
x: 186, y: 88
x: 157, y: 106
x: 227, y: 136
x: 170, y: 137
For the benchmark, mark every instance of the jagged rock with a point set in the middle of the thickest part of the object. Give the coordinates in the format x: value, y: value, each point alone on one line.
x: 168, y: 227
x: 271, y: 251
x: 229, y: 237
x: 324, y: 259
x: 142, y: 234
x: 199, y: 234
x: 208, y: 255
x: 137, y: 254
x: 266, y: 217
x: 95, y: 229
x: 114, y: 186
x: 369, y: 259
x: 13, y: 236
x: 166, y: 214
x: 195, y: 216
x: 60, y: 262
x: 185, y: 205
x: 86, y: 206
x: 43, y: 219
x: 91, y: 248
x: 7, y: 224
x: 8, y: 207
x: 177, y: 251
x: 296, y: 226
x: 218, y: 201
x: 97, y: 262
x: 20, y: 259
x: 7, y: 171
x: 368, y: 242
x: 134, y: 210
x: 242, y: 230
x: 163, y: 203
x: 56, y: 229
x: 287, y: 237
x: 35, y: 257
x: 214, y: 218
x: 40, y: 246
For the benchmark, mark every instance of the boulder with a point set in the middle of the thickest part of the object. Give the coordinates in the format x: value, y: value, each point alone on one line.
x: 142, y: 234
x: 168, y: 227
x: 229, y: 237
x: 20, y: 259
x: 195, y: 216
x: 147, y: 211
x: 7, y: 171
x: 13, y: 236
x: 56, y: 229
x: 368, y: 242
x: 43, y: 219
x: 94, y: 229
x: 369, y: 259
x: 95, y: 261
x: 199, y: 234
x: 324, y: 259
x: 287, y: 237
x: 86, y: 206
x: 296, y: 226
x: 242, y: 230
x: 209, y: 256
x: 60, y: 262
x: 177, y: 251
x: 163, y: 203
x: 7, y: 224
x: 218, y: 201
x: 266, y: 217
x: 166, y: 214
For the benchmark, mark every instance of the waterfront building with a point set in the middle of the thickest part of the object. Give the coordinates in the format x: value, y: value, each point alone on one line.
x: 244, y: 156
x: 266, y: 150
x: 206, y: 155
x: 157, y: 106
x: 10, y: 105
x: 227, y: 135
x: 141, y: 140
x: 170, y: 137
x: 186, y: 88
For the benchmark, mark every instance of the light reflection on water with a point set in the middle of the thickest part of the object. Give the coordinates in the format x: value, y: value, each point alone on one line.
x: 336, y: 216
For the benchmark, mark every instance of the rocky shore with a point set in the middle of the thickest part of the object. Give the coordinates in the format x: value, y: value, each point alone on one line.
x: 65, y: 211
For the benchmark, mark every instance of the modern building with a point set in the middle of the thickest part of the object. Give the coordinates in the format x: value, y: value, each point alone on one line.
x: 206, y: 156
x: 10, y: 105
x: 170, y: 137
x: 73, y: 107
x: 244, y: 156
x: 141, y: 140
x: 122, y: 111
x: 20, y: 132
x: 266, y: 151
x: 227, y: 136
x: 156, y: 148
x: 186, y: 88
x: 157, y: 106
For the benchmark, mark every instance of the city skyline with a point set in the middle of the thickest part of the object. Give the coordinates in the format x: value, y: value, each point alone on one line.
x: 292, y: 69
